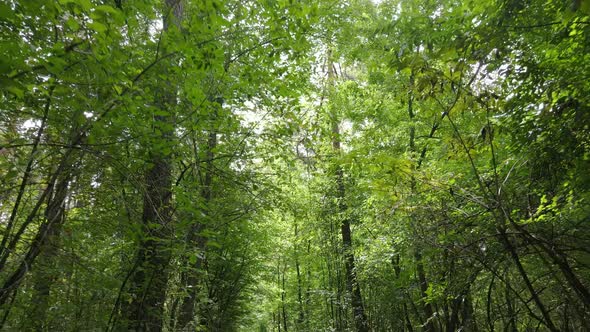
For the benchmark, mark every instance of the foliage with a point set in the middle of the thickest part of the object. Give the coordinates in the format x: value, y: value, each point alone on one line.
x: 279, y: 165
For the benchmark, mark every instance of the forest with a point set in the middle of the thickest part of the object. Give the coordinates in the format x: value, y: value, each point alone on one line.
x: 295, y: 165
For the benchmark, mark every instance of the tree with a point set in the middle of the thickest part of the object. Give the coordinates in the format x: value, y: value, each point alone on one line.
x: 294, y: 165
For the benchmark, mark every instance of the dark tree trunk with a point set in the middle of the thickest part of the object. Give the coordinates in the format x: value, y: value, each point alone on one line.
x: 525, y: 278
x: 352, y: 285
x: 284, y: 297
x: 190, y: 307
x: 423, y: 282
x: 301, y: 316
x: 24, y: 182
x: 13, y: 281
x: 148, y: 282
x: 468, y: 322
x: 511, y: 325
x: 358, y: 310
x: 45, y: 273
x: 395, y: 261
x: 426, y: 306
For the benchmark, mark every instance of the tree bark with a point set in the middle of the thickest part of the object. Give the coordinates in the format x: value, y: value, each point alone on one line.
x: 45, y: 273
x: 301, y: 316
x: 13, y: 282
x: 190, y: 278
x: 283, y: 296
x: 423, y: 282
x: 360, y: 318
x: 426, y: 306
x: 352, y: 285
x: 511, y: 326
x: 534, y: 295
x: 24, y: 181
x: 148, y: 283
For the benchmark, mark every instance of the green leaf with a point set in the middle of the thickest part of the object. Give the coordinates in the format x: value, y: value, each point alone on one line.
x: 72, y: 23
x: 214, y: 244
x: 6, y: 13
x: 18, y: 92
x: 98, y: 27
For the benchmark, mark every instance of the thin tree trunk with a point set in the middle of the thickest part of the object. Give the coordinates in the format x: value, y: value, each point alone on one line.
x: 511, y: 326
x: 426, y: 306
x: 468, y: 322
x: 15, y: 279
x: 279, y: 320
x: 489, y: 304
x: 360, y: 318
x: 534, y: 295
x: 190, y: 278
x: 423, y: 283
x: 308, y: 289
x: 45, y: 273
x: 330, y: 299
x: 284, y: 296
x: 301, y: 317
x: 395, y: 261
x: 24, y: 181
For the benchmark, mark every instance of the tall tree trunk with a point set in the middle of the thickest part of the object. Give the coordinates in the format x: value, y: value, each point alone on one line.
x: 308, y: 289
x: 301, y: 316
x: 284, y: 296
x: 14, y: 280
x: 423, y: 282
x: 511, y: 326
x: 149, y: 281
x: 395, y: 261
x: 352, y: 285
x: 426, y: 306
x: 45, y: 273
x: 24, y: 182
x: 190, y: 278
x: 468, y: 322
x: 534, y: 295
x: 279, y: 316
x: 360, y: 319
